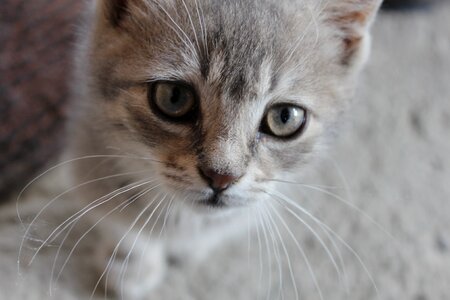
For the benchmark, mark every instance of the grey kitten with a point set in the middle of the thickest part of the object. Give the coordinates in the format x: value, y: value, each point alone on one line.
x: 198, y: 108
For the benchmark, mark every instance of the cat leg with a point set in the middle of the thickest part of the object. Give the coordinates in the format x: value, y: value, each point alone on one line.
x: 133, y: 269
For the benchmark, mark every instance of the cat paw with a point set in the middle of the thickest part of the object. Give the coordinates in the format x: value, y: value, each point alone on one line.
x: 132, y: 274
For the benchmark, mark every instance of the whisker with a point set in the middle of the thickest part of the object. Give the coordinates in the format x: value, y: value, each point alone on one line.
x: 126, y: 261
x: 342, y: 200
x: 302, y: 251
x: 132, y: 200
x: 89, y: 230
x: 264, y: 234
x: 149, y: 235
x: 325, y: 187
x: 248, y: 238
x: 276, y: 248
x: 98, y: 202
x: 316, y: 235
x: 286, y: 252
x: 192, y: 24
x: 260, y: 258
x: 269, y: 256
x: 280, y: 198
x: 108, y: 266
x: 201, y: 21
x: 84, y: 211
x: 299, y: 41
x: 147, y: 242
x: 36, y: 240
x: 340, y: 239
x: 62, y: 243
x: 61, y: 164
x: 168, y: 211
x: 186, y: 40
x: 74, y: 222
x: 56, y: 258
x: 317, y: 32
x: 61, y: 195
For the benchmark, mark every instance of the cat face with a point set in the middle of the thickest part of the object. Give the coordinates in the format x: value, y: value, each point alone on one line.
x: 225, y: 96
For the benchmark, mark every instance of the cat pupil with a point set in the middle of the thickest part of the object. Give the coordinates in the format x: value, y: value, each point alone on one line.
x: 285, y: 115
x: 175, y: 96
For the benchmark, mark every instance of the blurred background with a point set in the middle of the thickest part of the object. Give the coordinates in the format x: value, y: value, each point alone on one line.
x: 36, y: 41
x: 392, y: 160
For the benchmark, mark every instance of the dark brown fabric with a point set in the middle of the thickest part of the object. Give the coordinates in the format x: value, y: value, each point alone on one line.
x: 407, y: 4
x: 36, y: 39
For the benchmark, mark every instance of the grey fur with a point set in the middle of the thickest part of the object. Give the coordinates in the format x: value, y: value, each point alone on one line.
x: 241, y: 57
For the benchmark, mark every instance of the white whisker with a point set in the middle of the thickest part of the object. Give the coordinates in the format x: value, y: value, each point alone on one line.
x: 80, y: 214
x: 127, y: 258
x: 61, y: 164
x: 269, y: 256
x: 259, y: 257
x: 166, y: 217
x: 75, y: 221
x: 316, y: 235
x: 194, y: 30
x: 136, y: 220
x: 186, y: 40
x: 248, y: 238
x: 276, y: 248
x: 89, y: 230
x: 342, y: 200
x: 302, y: 251
x: 149, y: 234
x: 65, y: 193
x: 340, y: 239
x: 325, y: 231
x: 201, y: 21
x: 273, y: 225
x: 56, y: 258
x: 300, y: 40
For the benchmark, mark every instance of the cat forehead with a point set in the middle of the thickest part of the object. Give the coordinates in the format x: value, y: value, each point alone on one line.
x: 233, y: 49
x: 237, y: 47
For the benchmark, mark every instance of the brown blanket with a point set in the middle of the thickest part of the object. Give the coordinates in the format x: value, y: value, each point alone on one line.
x: 36, y: 39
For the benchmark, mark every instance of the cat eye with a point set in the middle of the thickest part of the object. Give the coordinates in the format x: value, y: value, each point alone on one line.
x: 173, y: 100
x: 285, y: 121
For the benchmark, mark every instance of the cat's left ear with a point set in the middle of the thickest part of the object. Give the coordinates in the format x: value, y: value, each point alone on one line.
x: 113, y: 11
x: 353, y: 19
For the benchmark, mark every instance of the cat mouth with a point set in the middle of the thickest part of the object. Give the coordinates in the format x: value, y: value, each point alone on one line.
x: 215, y: 201
x: 221, y: 201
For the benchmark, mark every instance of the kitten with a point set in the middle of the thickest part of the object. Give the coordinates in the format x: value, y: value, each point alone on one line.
x: 186, y: 114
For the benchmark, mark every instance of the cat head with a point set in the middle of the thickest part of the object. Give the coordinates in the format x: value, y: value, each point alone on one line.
x: 225, y: 95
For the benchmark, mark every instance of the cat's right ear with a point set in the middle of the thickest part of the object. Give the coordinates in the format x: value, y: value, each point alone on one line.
x: 113, y: 11
x: 352, y: 20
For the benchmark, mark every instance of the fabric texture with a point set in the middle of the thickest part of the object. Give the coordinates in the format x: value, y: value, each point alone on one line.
x: 36, y: 39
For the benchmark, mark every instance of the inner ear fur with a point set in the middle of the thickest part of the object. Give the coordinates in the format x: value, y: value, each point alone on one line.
x: 114, y: 11
x: 353, y: 19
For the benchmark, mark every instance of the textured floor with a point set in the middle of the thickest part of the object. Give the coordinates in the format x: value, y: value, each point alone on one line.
x: 392, y: 161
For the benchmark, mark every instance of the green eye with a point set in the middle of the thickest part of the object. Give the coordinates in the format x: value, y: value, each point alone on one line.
x: 285, y: 121
x: 173, y: 100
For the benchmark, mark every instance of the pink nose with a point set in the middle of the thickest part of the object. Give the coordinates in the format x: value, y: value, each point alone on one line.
x: 218, y: 181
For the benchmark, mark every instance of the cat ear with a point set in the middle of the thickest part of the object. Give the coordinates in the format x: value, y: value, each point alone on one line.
x: 353, y: 19
x: 113, y: 11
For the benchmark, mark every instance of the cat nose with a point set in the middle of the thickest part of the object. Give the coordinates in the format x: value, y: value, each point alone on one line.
x: 218, y: 181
